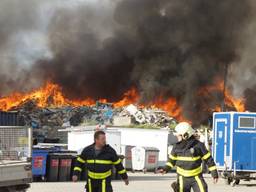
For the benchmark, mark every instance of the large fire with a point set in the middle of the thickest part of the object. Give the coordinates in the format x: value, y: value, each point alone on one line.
x: 51, y: 95
x: 171, y: 106
x: 231, y: 102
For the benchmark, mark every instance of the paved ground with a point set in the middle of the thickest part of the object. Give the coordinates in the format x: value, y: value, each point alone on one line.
x: 139, y: 183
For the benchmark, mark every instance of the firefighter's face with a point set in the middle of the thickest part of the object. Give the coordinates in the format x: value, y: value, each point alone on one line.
x: 101, y: 140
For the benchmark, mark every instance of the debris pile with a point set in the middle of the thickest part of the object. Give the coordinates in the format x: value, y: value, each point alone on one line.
x: 100, y: 113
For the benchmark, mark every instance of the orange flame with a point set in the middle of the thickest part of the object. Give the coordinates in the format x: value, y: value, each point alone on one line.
x: 230, y: 101
x: 51, y: 96
x: 129, y: 97
x: 171, y: 107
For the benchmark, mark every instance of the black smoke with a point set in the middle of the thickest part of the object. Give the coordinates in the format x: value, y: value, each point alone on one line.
x: 168, y: 48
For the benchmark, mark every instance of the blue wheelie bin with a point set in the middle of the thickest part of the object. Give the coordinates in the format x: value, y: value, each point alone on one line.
x: 39, y: 160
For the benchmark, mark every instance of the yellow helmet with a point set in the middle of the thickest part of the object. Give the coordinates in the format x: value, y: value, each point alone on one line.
x: 184, y: 129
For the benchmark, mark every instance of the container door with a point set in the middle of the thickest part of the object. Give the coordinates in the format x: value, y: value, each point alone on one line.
x: 220, y: 142
x: 253, y: 154
x: 114, y: 140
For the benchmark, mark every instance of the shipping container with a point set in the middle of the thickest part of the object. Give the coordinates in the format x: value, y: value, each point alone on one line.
x: 157, y: 138
x: 79, y: 137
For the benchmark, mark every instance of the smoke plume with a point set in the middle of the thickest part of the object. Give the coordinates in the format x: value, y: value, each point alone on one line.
x: 164, y: 48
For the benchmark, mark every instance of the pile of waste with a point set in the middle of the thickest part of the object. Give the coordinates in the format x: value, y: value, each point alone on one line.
x: 100, y: 113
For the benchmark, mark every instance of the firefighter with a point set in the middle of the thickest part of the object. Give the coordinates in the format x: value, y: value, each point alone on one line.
x: 187, y: 156
x: 99, y: 159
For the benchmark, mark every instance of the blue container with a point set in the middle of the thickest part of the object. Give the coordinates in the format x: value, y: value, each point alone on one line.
x: 39, y: 160
x: 234, y: 141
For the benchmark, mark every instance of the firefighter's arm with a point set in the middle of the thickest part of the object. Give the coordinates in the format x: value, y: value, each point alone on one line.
x: 171, y: 161
x: 79, y: 163
x: 207, y: 157
x: 117, y: 162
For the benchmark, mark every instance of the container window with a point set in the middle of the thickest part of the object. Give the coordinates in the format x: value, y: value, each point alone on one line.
x: 247, y: 122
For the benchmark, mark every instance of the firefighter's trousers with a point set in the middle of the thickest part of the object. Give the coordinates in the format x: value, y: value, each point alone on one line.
x: 98, y: 185
x: 197, y: 183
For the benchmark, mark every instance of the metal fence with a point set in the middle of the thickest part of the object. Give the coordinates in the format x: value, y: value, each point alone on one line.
x: 11, y: 119
x: 15, y: 143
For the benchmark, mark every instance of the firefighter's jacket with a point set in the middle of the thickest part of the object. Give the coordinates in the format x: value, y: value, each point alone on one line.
x: 100, y: 166
x: 187, y: 156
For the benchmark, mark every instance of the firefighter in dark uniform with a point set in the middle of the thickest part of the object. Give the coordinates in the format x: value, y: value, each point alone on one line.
x: 187, y: 156
x: 99, y: 159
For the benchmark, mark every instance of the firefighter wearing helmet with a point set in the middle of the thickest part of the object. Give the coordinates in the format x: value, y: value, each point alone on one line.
x: 187, y: 156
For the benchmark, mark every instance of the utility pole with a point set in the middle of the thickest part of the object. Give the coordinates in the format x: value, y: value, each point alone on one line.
x: 223, y: 106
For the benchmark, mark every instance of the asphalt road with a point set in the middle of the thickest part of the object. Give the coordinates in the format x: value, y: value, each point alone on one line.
x: 142, y: 182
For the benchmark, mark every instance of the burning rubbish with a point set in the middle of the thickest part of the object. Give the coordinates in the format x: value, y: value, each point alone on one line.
x: 158, y: 53
x: 148, y: 116
x: 48, y: 106
x: 93, y: 115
